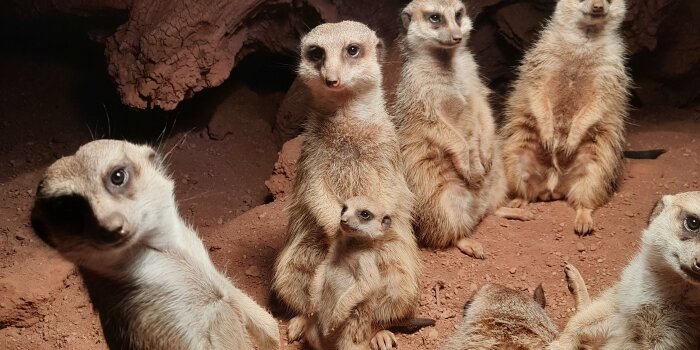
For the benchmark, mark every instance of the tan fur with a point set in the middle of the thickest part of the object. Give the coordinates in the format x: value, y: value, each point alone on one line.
x: 148, y: 274
x: 656, y: 303
x: 564, y: 129
x: 350, y: 149
x: 350, y: 279
x: 446, y: 128
x: 500, y: 318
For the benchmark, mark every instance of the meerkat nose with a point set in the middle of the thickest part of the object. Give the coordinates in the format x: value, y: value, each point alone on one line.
x: 116, y: 223
x: 456, y: 39
x: 332, y: 83
x: 598, y: 8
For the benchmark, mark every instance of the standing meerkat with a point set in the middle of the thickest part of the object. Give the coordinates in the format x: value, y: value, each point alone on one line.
x: 500, y: 318
x: 350, y: 149
x: 351, y: 279
x: 110, y: 210
x: 446, y: 128
x: 656, y: 303
x: 565, y: 117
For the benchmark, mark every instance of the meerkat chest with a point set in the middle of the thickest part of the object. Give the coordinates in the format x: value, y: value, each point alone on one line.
x: 569, y: 88
x: 664, y: 325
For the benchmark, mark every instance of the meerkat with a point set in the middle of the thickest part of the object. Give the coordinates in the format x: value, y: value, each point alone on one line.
x: 499, y: 318
x: 350, y: 149
x: 565, y: 117
x: 350, y: 278
x: 110, y: 209
x: 446, y: 128
x: 656, y: 303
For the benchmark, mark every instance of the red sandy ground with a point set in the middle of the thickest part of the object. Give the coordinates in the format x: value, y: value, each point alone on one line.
x: 43, y: 303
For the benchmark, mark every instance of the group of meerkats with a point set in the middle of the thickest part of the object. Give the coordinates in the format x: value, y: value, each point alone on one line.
x: 371, y: 186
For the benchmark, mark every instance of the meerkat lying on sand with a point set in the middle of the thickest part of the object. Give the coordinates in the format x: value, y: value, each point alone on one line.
x: 656, y: 303
x: 446, y: 128
x: 501, y: 318
x: 110, y: 210
x: 565, y: 117
x: 350, y: 149
x: 351, y: 280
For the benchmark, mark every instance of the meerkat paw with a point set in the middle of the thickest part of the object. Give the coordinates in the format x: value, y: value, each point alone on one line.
x: 471, y: 247
x: 383, y: 340
x: 514, y: 214
x: 577, y: 286
x: 296, y: 328
x: 583, y: 224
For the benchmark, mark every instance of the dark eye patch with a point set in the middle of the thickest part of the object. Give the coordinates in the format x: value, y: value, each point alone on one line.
x: 315, y: 53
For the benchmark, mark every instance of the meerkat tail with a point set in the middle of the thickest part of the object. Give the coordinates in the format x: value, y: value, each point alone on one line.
x: 412, y: 325
x: 646, y: 154
x: 259, y: 323
x: 577, y: 286
x: 514, y: 214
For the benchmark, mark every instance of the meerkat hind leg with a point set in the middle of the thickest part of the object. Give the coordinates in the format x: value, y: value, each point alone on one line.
x: 577, y: 286
x: 471, y: 247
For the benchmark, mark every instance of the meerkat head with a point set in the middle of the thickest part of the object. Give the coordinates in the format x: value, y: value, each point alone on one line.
x: 341, y: 58
x: 431, y: 24
x: 673, y: 234
x: 362, y: 217
x: 590, y: 13
x: 95, y: 204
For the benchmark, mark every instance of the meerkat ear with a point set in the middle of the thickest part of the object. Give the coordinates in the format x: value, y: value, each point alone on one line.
x: 538, y: 295
x: 380, y: 50
x: 658, y: 208
x: 386, y: 222
x: 405, y: 19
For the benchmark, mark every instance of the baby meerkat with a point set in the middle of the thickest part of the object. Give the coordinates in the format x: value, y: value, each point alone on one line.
x: 500, y: 318
x: 110, y: 209
x: 565, y: 117
x: 656, y: 303
x: 446, y: 128
x: 350, y: 149
x: 350, y: 278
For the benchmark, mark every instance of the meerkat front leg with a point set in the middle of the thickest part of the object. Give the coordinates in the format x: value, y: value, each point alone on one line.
x: 457, y: 150
x: 582, y: 122
x: 383, y: 340
x: 542, y: 111
x: 360, y: 291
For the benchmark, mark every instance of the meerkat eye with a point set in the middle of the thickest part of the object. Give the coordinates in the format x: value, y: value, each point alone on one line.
x: 353, y: 50
x: 691, y: 223
x: 458, y: 16
x: 344, y: 209
x: 365, y: 215
x: 434, y: 18
x: 315, y: 54
x: 119, y: 177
